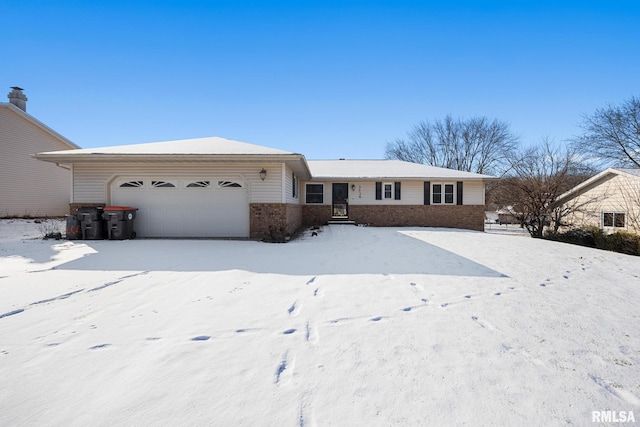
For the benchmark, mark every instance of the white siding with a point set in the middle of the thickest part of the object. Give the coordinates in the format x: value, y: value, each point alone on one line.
x: 29, y: 187
x: 473, y: 193
x: 288, y: 187
x: 91, y: 180
x: 412, y: 192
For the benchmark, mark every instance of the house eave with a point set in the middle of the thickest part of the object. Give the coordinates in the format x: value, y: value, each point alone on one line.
x: 296, y: 161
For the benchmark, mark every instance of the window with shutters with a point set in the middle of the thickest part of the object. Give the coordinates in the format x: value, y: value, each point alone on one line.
x: 442, y: 194
x: 388, y: 190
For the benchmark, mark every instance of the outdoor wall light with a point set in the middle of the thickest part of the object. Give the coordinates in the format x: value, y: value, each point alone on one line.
x: 263, y: 174
x: 353, y: 187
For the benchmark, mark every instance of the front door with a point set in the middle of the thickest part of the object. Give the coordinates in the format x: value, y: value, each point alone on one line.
x: 340, y: 203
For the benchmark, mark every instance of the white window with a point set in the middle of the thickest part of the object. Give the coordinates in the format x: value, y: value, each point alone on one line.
x: 315, y: 194
x: 613, y: 219
x: 294, y: 183
x: 442, y: 194
x: 388, y: 190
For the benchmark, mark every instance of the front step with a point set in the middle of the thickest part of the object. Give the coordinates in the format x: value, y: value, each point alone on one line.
x: 341, y: 222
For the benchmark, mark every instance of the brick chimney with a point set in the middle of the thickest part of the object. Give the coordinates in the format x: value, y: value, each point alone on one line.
x: 17, y: 98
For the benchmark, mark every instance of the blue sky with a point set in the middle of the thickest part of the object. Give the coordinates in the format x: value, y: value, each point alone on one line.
x: 328, y: 79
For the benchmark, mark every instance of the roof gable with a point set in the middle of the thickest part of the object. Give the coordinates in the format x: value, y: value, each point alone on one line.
x: 595, y: 181
x: 38, y: 123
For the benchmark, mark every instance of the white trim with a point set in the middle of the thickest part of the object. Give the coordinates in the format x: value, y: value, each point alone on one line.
x: 613, y: 227
x: 443, y: 193
x: 323, y: 192
x: 384, y: 191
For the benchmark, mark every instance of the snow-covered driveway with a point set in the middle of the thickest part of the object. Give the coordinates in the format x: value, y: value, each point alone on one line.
x: 355, y: 326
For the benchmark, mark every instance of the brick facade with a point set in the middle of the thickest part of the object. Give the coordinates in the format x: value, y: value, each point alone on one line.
x: 470, y: 217
x: 73, y: 207
x: 315, y: 214
x: 272, y: 220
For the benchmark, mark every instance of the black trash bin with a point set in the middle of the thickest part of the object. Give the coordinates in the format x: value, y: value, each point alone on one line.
x: 74, y: 229
x: 91, y: 222
x: 120, y: 221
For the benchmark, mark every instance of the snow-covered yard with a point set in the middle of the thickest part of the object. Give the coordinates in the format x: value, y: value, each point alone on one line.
x: 355, y: 326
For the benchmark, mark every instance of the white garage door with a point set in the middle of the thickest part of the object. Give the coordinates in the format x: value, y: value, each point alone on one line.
x: 185, y: 207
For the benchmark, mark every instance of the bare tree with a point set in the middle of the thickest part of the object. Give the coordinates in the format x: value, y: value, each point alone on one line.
x: 612, y: 135
x: 537, y: 177
x: 475, y: 145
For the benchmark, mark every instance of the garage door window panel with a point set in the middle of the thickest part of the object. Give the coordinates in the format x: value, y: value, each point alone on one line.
x: 132, y: 184
x: 162, y: 184
x: 229, y: 184
x: 199, y: 184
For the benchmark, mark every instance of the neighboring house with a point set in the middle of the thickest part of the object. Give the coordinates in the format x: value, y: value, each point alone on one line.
x: 29, y: 188
x: 609, y: 200
x: 215, y: 187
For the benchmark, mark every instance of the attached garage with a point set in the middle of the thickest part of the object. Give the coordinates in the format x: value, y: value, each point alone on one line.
x: 196, y: 207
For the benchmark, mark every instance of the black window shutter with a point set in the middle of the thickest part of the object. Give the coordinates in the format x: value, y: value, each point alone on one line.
x: 459, y: 192
x: 427, y: 192
x: 396, y: 186
x: 378, y: 191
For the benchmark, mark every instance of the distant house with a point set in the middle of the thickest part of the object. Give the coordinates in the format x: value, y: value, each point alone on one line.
x: 215, y: 187
x: 29, y: 187
x: 609, y: 200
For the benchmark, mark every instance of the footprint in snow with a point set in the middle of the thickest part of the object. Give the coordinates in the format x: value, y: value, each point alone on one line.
x: 95, y: 347
x: 406, y: 309
x: 201, y: 338
x: 416, y: 286
x: 498, y: 294
x: 294, y: 309
x: 482, y: 323
x: 377, y: 319
x: 467, y: 296
x: 289, y: 331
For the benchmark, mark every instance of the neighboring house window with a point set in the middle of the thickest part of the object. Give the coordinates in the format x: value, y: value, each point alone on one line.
x: 442, y: 194
x: 132, y: 184
x: 199, y: 184
x: 161, y: 184
x: 613, y: 219
x: 315, y: 193
x: 388, y: 190
x: 229, y: 184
